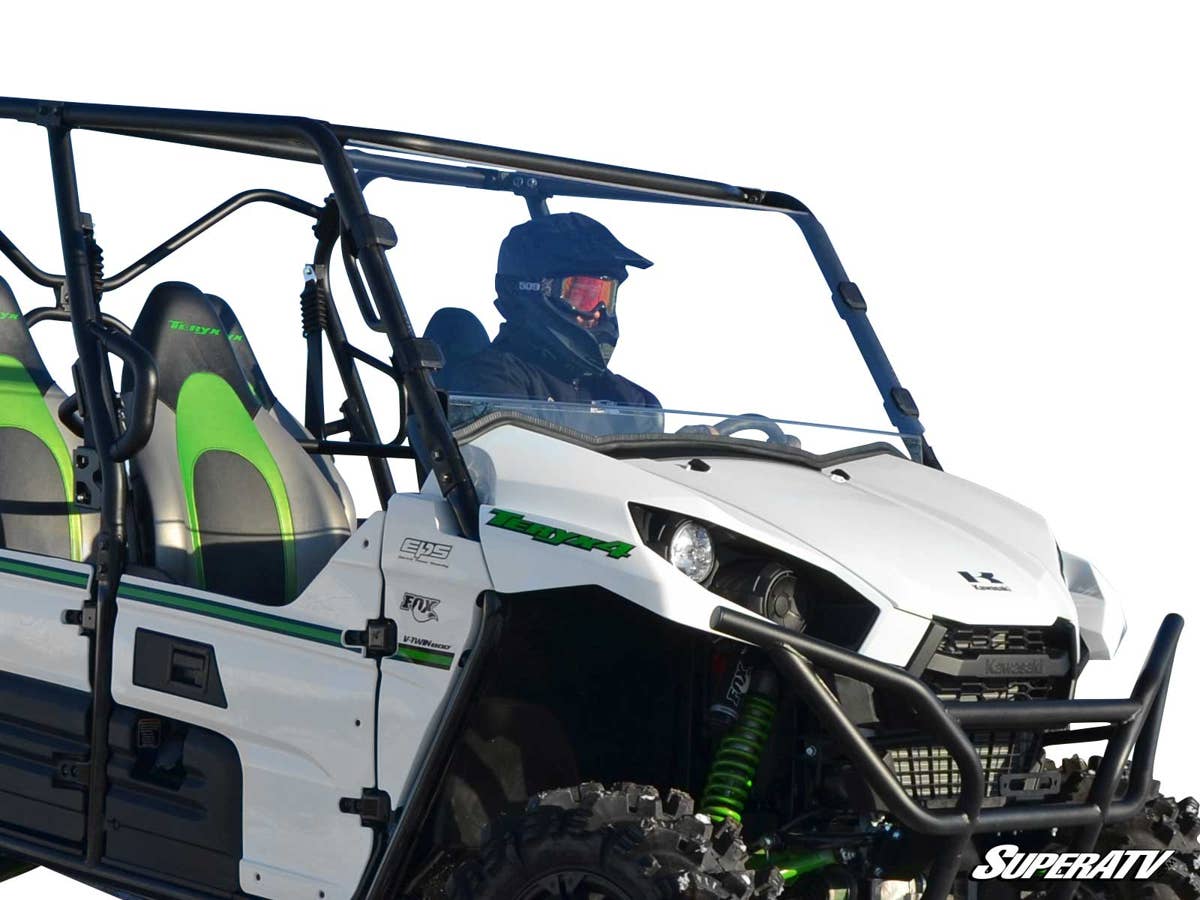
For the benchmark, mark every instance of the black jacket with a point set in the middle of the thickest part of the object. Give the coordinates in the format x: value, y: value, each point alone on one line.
x: 511, y: 367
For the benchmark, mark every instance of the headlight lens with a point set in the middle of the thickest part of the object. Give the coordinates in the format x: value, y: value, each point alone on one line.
x: 691, y: 551
x: 799, y: 595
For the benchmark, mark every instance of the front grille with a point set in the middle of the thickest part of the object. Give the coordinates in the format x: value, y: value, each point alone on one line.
x: 967, y: 690
x: 969, y: 641
x: 969, y: 651
x: 975, y: 663
x: 928, y: 773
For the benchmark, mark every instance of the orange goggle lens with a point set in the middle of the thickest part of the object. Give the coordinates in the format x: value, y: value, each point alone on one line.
x: 586, y: 292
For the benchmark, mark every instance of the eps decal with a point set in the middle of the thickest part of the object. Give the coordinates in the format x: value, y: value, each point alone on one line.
x: 427, y: 552
x: 559, y: 537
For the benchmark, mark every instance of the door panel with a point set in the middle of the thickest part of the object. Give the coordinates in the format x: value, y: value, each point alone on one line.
x: 34, y: 592
x: 299, y: 710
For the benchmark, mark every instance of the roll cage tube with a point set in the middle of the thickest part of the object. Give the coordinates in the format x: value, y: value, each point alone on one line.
x: 320, y: 318
x: 540, y: 177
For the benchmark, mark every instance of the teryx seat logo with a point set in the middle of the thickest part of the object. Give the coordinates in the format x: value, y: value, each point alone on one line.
x: 984, y: 581
x: 1008, y: 862
x: 559, y: 537
x: 203, y: 330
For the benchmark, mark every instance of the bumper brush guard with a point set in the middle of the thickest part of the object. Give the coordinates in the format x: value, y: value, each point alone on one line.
x: 1131, y: 726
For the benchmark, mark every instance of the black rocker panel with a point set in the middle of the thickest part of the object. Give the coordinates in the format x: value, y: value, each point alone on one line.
x: 42, y: 726
x: 175, y: 798
x: 175, y: 801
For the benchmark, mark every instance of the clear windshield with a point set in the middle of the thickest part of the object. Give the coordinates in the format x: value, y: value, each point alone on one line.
x: 731, y: 333
x: 604, y: 422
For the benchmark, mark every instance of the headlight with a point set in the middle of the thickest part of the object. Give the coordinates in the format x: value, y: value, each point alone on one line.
x: 793, y: 593
x: 770, y: 589
x: 691, y: 551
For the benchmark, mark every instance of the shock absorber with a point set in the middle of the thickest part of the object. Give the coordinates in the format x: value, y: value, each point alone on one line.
x: 735, y: 763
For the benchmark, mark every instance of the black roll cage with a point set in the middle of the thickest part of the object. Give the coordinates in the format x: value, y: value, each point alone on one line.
x: 351, y: 157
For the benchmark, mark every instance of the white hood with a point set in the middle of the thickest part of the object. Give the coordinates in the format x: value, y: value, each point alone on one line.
x: 907, y: 530
x: 900, y: 533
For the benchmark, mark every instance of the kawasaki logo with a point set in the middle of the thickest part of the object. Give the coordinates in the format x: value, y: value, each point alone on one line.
x: 203, y: 330
x: 9, y: 316
x: 1014, y: 665
x: 559, y: 537
x: 984, y: 581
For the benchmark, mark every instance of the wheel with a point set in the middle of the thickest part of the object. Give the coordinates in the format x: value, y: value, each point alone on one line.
x: 623, y: 843
x: 1163, y: 824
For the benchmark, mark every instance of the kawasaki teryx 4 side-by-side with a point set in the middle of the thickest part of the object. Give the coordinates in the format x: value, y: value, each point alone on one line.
x: 611, y: 648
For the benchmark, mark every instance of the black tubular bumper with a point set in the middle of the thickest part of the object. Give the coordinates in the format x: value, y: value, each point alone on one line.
x: 1131, y: 726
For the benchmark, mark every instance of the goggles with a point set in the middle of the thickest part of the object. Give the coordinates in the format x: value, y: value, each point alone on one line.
x: 583, y: 293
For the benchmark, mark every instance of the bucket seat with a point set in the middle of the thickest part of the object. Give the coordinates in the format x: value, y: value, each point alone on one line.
x: 38, y: 513
x: 238, y: 506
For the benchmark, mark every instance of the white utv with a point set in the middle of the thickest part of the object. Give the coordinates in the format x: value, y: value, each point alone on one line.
x: 605, y: 651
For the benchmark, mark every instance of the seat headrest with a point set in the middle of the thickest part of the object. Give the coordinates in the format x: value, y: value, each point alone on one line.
x: 243, y: 351
x: 181, y: 328
x: 458, y: 332
x: 15, y: 340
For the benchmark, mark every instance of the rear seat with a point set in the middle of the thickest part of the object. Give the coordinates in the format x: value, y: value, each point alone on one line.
x: 38, y: 513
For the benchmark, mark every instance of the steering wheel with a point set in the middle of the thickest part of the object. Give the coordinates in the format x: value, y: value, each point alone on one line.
x: 747, y: 422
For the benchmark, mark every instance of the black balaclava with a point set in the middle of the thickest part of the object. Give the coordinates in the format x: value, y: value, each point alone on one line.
x: 556, y: 246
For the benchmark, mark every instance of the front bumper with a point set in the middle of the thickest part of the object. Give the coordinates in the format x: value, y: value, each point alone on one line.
x: 1131, y: 726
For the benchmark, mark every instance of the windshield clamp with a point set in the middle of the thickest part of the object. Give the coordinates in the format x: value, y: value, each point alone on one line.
x: 904, y: 402
x: 418, y: 353
x: 371, y: 230
x: 850, y: 295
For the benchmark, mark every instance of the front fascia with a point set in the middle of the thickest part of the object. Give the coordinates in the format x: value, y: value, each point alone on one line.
x: 520, y: 472
x: 901, y: 535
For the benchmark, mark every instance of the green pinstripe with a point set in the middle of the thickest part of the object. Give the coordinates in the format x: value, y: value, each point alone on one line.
x: 43, y: 573
x: 252, y: 618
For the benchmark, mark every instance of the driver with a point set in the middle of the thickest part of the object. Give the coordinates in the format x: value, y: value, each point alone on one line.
x: 557, y: 279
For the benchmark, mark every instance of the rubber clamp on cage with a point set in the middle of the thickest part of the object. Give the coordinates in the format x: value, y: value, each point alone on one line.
x: 419, y: 353
x: 851, y: 296
x: 905, y: 403
x: 368, y: 230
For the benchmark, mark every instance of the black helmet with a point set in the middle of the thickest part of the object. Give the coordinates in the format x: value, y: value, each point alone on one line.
x: 538, y: 263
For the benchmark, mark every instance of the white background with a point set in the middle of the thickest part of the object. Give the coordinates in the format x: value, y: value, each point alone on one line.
x: 1013, y: 187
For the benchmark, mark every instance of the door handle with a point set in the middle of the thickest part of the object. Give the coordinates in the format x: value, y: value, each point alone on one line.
x: 174, y: 665
x: 189, y: 669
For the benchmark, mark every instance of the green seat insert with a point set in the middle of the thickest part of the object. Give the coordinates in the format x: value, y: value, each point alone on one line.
x: 38, y: 513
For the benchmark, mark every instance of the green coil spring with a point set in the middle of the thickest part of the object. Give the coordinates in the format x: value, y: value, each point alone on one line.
x: 736, y: 762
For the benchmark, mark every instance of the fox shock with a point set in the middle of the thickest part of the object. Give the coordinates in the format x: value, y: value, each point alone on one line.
x: 735, y: 763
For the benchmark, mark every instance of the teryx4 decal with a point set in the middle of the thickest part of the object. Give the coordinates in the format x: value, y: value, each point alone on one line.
x: 984, y: 581
x: 559, y: 537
